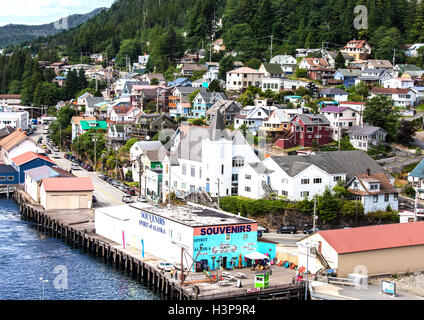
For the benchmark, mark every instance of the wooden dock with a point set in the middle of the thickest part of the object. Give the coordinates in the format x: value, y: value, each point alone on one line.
x: 76, y: 228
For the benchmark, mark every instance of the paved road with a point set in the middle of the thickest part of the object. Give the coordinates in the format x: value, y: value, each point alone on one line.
x: 106, y: 194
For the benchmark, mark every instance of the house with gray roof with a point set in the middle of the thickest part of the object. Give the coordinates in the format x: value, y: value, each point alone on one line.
x: 366, y: 137
x: 228, y: 108
x: 305, y: 176
x: 347, y: 76
x: 373, y: 76
x: 204, y: 100
x: 335, y: 94
x: 90, y: 106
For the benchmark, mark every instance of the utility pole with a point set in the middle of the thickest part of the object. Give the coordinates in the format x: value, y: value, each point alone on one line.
x: 339, y: 134
x: 116, y: 161
x: 210, y: 53
x: 315, y: 212
x: 272, y: 40
x: 139, y: 174
x: 394, y: 57
x: 95, y: 154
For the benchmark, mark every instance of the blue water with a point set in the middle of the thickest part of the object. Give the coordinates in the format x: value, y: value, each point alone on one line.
x: 26, y: 255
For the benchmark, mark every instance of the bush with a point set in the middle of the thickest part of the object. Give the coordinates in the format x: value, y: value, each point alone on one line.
x: 409, y: 191
x: 252, y: 207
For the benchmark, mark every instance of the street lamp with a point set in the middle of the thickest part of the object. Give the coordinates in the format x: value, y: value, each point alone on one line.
x: 308, y: 246
x: 43, y: 282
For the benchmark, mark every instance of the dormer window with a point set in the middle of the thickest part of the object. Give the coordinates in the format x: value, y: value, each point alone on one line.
x: 374, y: 186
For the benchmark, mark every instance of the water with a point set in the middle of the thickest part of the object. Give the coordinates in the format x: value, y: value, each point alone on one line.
x: 26, y: 255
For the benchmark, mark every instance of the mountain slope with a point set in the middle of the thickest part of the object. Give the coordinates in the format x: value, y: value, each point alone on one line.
x: 12, y: 34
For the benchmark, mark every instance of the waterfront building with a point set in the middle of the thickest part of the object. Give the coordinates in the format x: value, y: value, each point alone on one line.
x: 212, y: 237
x: 29, y: 160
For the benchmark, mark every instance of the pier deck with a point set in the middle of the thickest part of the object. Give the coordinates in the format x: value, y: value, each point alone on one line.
x: 77, y: 228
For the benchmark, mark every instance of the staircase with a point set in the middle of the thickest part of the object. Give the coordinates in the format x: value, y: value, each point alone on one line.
x: 321, y: 258
x: 268, y: 190
x: 202, y: 197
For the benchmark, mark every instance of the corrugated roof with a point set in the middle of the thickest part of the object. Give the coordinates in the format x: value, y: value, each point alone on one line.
x: 68, y: 184
x: 87, y: 125
x: 42, y: 172
x: 375, y: 237
x: 364, y: 130
x: 27, y: 157
x: 418, y: 170
x: 13, y: 140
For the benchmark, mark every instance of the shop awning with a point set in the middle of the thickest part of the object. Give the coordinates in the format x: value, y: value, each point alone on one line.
x: 256, y: 256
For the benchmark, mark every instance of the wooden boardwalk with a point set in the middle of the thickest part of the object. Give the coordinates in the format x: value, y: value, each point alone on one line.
x: 77, y: 228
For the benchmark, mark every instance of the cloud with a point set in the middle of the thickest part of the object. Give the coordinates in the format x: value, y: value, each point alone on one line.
x: 45, y: 11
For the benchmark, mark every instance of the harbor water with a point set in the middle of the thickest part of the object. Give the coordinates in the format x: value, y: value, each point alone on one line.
x: 34, y: 266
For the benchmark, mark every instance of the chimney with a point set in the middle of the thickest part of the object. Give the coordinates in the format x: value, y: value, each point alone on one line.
x: 369, y: 172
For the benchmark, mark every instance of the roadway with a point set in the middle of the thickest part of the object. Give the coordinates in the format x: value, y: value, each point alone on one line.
x: 106, y: 194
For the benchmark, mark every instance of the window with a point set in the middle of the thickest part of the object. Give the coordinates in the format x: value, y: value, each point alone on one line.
x: 200, y: 172
x: 2, y: 178
x: 304, y: 194
x: 373, y: 186
x: 183, y: 185
x: 337, y: 178
x: 386, y: 197
x: 193, y: 171
x: 222, y: 169
x: 375, y: 199
x: 238, y: 162
x: 247, y: 189
x: 234, y: 177
x: 10, y: 178
x: 304, y: 181
x: 285, y: 181
x: 309, y: 129
x: 175, y: 184
x: 284, y: 193
x: 356, y: 185
x: 395, y: 196
x: 317, y: 180
x: 184, y: 168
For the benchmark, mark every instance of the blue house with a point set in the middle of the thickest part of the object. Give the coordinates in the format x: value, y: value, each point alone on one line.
x: 204, y: 100
x: 8, y: 175
x: 347, y: 76
x: 27, y: 161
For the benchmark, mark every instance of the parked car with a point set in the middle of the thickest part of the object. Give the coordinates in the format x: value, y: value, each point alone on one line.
x: 166, y: 266
x: 56, y: 155
x: 142, y: 199
x: 75, y: 167
x: 263, y: 229
x: 94, y: 199
x: 287, y: 229
x: 127, y: 199
x: 177, y: 266
x: 311, y: 230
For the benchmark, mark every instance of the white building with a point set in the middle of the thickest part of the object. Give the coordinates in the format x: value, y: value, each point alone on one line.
x: 365, y: 137
x: 401, y: 97
x: 253, y: 116
x: 140, y: 150
x: 398, y: 83
x: 340, y: 117
x: 161, y: 232
x: 335, y: 94
x: 17, y: 120
x: 287, y: 63
x: 300, y: 177
x: 207, y: 159
x: 375, y: 191
x: 242, y: 78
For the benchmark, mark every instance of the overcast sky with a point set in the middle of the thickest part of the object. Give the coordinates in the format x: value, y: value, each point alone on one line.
x: 45, y: 11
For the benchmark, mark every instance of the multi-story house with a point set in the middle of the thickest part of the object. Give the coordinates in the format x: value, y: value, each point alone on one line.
x: 379, y: 64
x: 364, y: 137
x: 288, y: 63
x: 277, y: 123
x: 401, y: 97
x: 228, y: 108
x: 373, y: 76
x: 124, y: 114
x: 305, y: 129
x: 203, y: 101
x: 75, y: 122
x: 118, y: 134
x: 271, y: 70
x: 374, y: 191
x: 335, y: 94
x: 347, y: 76
x: 398, y: 83
x: 416, y: 177
x: 358, y: 49
x: 312, y: 63
x: 304, y: 176
x: 252, y: 117
x: 242, y: 78
x: 340, y: 118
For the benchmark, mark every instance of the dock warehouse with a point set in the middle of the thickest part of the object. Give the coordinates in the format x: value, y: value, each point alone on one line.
x: 222, y: 238
x: 382, y: 249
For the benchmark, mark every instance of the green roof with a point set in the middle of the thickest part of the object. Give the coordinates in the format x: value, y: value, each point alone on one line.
x: 87, y: 125
x: 408, y: 67
x: 273, y: 68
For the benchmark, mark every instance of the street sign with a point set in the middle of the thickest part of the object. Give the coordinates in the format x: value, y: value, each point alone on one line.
x: 388, y: 287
